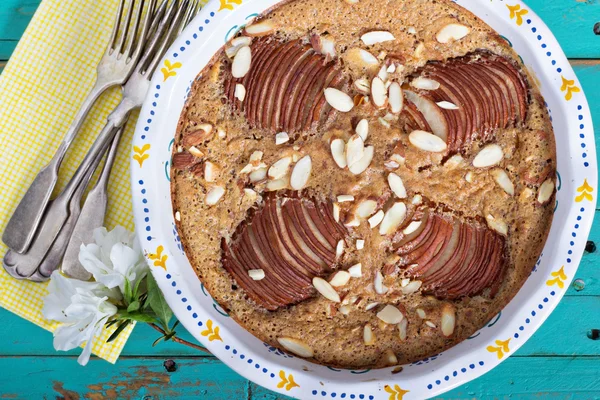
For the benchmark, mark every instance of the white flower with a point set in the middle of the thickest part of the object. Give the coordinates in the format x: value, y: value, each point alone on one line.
x: 82, y: 307
x: 115, y: 257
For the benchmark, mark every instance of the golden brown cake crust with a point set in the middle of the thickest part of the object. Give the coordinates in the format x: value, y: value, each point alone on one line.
x: 454, y: 187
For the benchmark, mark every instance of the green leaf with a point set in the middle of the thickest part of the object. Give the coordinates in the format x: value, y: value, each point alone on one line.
x: 127, y: 291
x: 157, y: 302
x: 141, y: 317
x: 118, y: 331
x: 110, y: 323
x: 134, y: 306
x: 157, y: 341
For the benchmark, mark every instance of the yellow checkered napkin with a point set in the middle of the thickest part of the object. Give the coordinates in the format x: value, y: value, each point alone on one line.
x: 41, y: 89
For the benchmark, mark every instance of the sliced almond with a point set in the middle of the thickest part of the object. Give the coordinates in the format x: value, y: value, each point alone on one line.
x: 391, y: 68
x: 221, y: 133
x: 345, y: 310
x: 361, y: 165
x: 240, y: 92
x: 446, y: 105
x: 236, y: 44
x: 427, y: 141
x: 397, y: 185
x: 378, y: 285
x: 281, y: 138
x: 256, y: 274
x: 255, y: 157
x: 431, y: 112
x: 412, y: 287
x: 324, y: 45
x: 360, y: 244
x: 339, y: 248
x: 448, y: 320
x: 362, y: 129
x: 177, y: 216
x: 421, y: 313
x: 355, y: 271
x: 404, y: 282
x: 368, y: 335
x: 430, y: 324
x: 545, y: 191
x: 280, y: 168
x: 366, y: 208
x: 394, y: 216
x: 338, y: 152
x: 241, y: 62
x: 336, y: 212
x: 403, y: 329
x: 352, y: 222
x: 384, y: 122
x: 301, y: 173
x: 214, y: 195
x: 340, y: 279
x: 278, y: 184
x: 376, y: 219
x: 250, y: 193
x: 354, y: 149
x: 371, y: 305
x: 455, y: 161
x: 425, y: 83
x: 390, y: 358
x: 383, y: 74
x: 503, y: 180
x: 452, y: 32
x: 413, y: 226
x: 258, y: 175
x: 469, y: 177
x: 296, y: 346
x: 196, y: 152
x: 489, y: 156
x: 211, y: 171
x: 390, y: 315
x: 497, y: 224
x: 378, y: 92
x: 262, y: 28
x: 325, y: 289
x: 338, y: 100
x: 417, y: 199
x: 363, y: 85
x: 396, y: 99
x: 345, y: 198
x: 367, y: 57
x: 373, y: 37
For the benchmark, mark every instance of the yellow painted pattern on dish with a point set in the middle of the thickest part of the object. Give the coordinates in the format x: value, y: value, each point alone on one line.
x: 140, y: 155
x: 211, y: 332
x: 169, y: 69
x: 517, y: 12
x: 286, y: 381
x: 585, y: 191
x: 501, y: 348
x: 559, y: 278
x: 160, y: 259
x: 568, y: 86
x: 396, y: 392
x: 228, y: 4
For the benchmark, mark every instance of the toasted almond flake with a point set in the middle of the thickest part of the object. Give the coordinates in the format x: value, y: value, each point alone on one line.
x: 455, y: 161
x: 345, y: 310
x: 196, y: 152
x: 391, y: 68
x: 360, y: 244
x: 383, y: 122
x: 421, y: 313
x: 366, y: 208
x: 398, y: 158
x: 339, y: 248
x: 413, y: 226
x: 403, y: 329
x: 373, y: 37
x: 427, y: 141
x: 378, y: 92
x: 452, y: 32
x: 411, y: 30
x: 390, y: 164
x: 236, y: 44
x: 336, y: 212
x: 211, y: 171
x: 278, y: 184
x: 354, y: 149
x: 412, y: 287
x: 446, y: 105
x: 256, y: 157
x: 545, y: 191
x: 250, y: 193
x: 256, y: 274
x: 301, y: 173
x: 296, y: 346
x: 352, y: 222
x: 240, y: 92
x: 177, y: 216
x: 325, y: 289
x: 338, y: 152
x: 324, y: 45
x: 368, y: 335
x: 214, y: 195
x: 489, y: 156
x: 280, y: 168
x: 417, y: 199
x: 258, y: 175
x: 351, y: 1
x: 425, y: 83
x: 355, y: 271
x: 221, y: 133
x: 371, y: 305
x: 344, y: 198
x: 241, y: 62
x: 431, y: 112
x: 179, y: 148
x: 448, y: 321
x: 340, y: 279
x: 395, y: 97
x: 376, y: 219
x: 469, y: 177
x: 361, y: 165
x: 419, y: 49
x: 281, y: 138
x: 262, y: 28
x: 338, y: 100
x: 396, y: 185
x: 430, y: 324
x: 394, y: 216
x: 390, y: 315
x: 362, y: 129
x: 404, y: 282
x: 380, y: 288
x: 503, y: 180
x: 383, y: 74
x: 368, y: 57
x: 363, y: 85
x: 497, y: 224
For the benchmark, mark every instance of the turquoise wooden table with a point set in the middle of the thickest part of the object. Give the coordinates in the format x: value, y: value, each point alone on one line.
x: 561, y: 361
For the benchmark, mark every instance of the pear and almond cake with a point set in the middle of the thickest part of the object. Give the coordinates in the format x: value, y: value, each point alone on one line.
x: 364, y: 183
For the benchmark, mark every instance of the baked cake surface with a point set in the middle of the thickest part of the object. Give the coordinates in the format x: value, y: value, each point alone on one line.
x: 367, y: 183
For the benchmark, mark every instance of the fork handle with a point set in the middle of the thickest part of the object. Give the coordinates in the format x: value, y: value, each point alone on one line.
x: 26, y: 218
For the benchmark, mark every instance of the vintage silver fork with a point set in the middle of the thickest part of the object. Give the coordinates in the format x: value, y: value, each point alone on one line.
x: 116, y: 65
x: 165, y: 25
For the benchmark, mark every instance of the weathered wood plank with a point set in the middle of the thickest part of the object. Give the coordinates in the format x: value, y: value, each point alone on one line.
x: 14, y: 17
